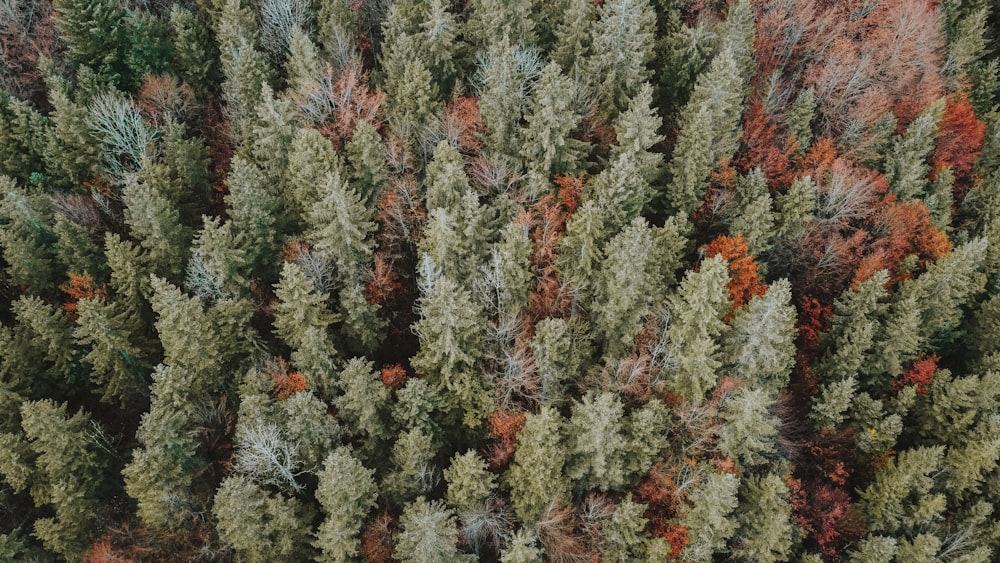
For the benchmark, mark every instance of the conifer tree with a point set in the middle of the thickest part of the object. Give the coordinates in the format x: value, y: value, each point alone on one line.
x: 548, y: 147
x: 310, y: 159
x: 799, y: 117
x: 709, y: 518
x: 907, y: 168
x: 752, y: 212
x: 573, y: 35
x: 95, y: 34
x: 622, y: 41
x: 470, y: 484
x: 697, y: 309
x: 414, y: 471
x: 429, y: 533
x: 261, y: 525
x: 536, y: 476
x: 71, y: 155
x: 767, y: 539
x: 195, y: 53
x: 364, y: 405
x: 367, y: 157
x: 760, y: 342
x: 709, y: 121
x: 749, y: 429
x: 596, y: 443
x: 346, y: 492
x: 27, y: 239
x: 70, y: 472
x: 626, y: 537
x: 794, y: 210
x: 119, y: 362
x: 300, y: 307
x: 22, y: 138
x: 254, y: 209
x: 245, y: 73
x: 153, y: 219
x: 628, y: 285
x: 505, y: 71
x: 451, y: 335
x: 901, y: 497
x: 341, y: 227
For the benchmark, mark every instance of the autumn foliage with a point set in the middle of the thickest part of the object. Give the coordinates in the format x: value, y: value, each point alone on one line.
x: 744, y: 280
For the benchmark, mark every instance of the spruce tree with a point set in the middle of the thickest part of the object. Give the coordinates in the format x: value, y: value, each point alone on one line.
x: 346, y: 492
x: 261, y: 525
x: 536, y: 477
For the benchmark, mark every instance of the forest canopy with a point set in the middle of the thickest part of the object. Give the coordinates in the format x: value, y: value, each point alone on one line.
x: 500, y: 280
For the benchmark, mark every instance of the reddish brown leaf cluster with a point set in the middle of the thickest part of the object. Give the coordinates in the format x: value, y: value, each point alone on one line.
x: 766, y: 148
x: 504, y: 427
x: 342, y: 101
x: 80, y: 286
x: 920, y: 376
x: 827, y: 514
x: 286, y: 381
x: 744, y: 280
x: 394, y: 377
x: 163, y: 95
x: 463, y: 124
x: 906, y: 229
x: 546, y: 221
x: 960, y: 139
x: 379, y: 539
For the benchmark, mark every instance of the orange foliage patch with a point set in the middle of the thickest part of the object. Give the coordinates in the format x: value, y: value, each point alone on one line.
x: 385, y: 283
x: 286, y: 383
x: 463, y: 123
x: 394, y: 377
x: 379, y: 539
x: 907, y: 230
x: 765, y: 149
x: 920, y: 376
x: 293, y: 250
x: 960, y: 138
x: 812, y: 321
x: 827, y: 514
x: 546, y: 221
x: 504, y: 427
x: 744, y: 281
x: 80, y: 286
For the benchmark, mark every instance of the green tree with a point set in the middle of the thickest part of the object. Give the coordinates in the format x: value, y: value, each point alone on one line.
x: 300, y: 306
x: 23, y: 132
x: 470, y: 484
x: 70, y: 470
x: 770, y: 539
x: 311, y: 159
x: 749, y: 429
x: 697, y: 309
x: 451, y: 341
x: 560, y: 351
x: 96, y: 35
x: 596, y: 443
x: 71, y: 155
x: 906, y: 167
x: 260, y: 525
x: 367, y: 158
x: 548, y: 147
x: 346, y: 492
x: 195, y: 54
x: 760, y: 342
x: 341, y: 227
x: 536, y: 476
x: 902, y: 497
x: 799, y: 117
x: 255, y: 209
x: 155, y: 221
x: 117, y: 352
x: 622, y: 41
x: 27, y: 239
x: 505, y: 72
x: 429, y: 533
x: 626, y: 536
x: 709, y: 518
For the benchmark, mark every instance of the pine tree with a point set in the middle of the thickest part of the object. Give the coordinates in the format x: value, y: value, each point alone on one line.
x: 245, y: 73
x: 429, y: 533
x: 751, y: 212
x: 195, y: 54
x: 770, y: 539
x: 760, y: 342
x: 364, y: 405
x: 907, y: 168
x: 505, y: 71
x: 596, y: 443
x: 451, y: 336
x: 346, y: 492
x: 153, y: 219
x: 300, y: 306
x: 794, y: 210
x: 901, y: 497
x: 622, y: 41
x: 120, y: 364
x: 470, y: 484
x: 495, y: 18
x: 749, y: 429
x: 626, y: 537
x: 95, y: 35
x: 697, y: 310
x: 23, y: 132
x: 573, y: 34
x: 709, y: 519
x: 310, y: 159
x: 414, y: 471
x: 548, y: 147
x: 628, y: 285
x: 560, y: 351
x: 341, y: 228
x: 261, y: 525
x: 799, y: 117
x: 71, y: 155
x: 367, y: 157
x: 70, y: 471
x: 536, y: 476
x: 27, y: 239
x: 254, y: 209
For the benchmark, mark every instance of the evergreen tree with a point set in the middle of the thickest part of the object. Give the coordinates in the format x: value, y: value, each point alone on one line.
x: 300, y: 307
x: 470, y: 484
x: 626, y: 537
x: 767, y: 539
x: 346, y: 492
x: 254, y: 209
x: 505, y: 71
x: 749, y: 429
x: 95, y: 35
x: 536, y: 476
x: 760, y: 341
x: 901, y: 497
x: 23, y: 132
x: 709, y: 519
x: 573, y: 34
x: 261, y: 525
x: 596, y: 443
x: 560, y: 351
x: 622, y: 44
x: 311, y: 159
x: 341, y: 227
x: 548, y: 147
x: 70, y: 470
x: 752, y: 215
x: 117, y: 355
x: 697, y: 309
x: 906, y: 169
x: 27, y: 239
x: 195, y: 54
x: 429, y: 533
x: 367, y: 157
x: 153, y: 219
x: 799, y: 117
